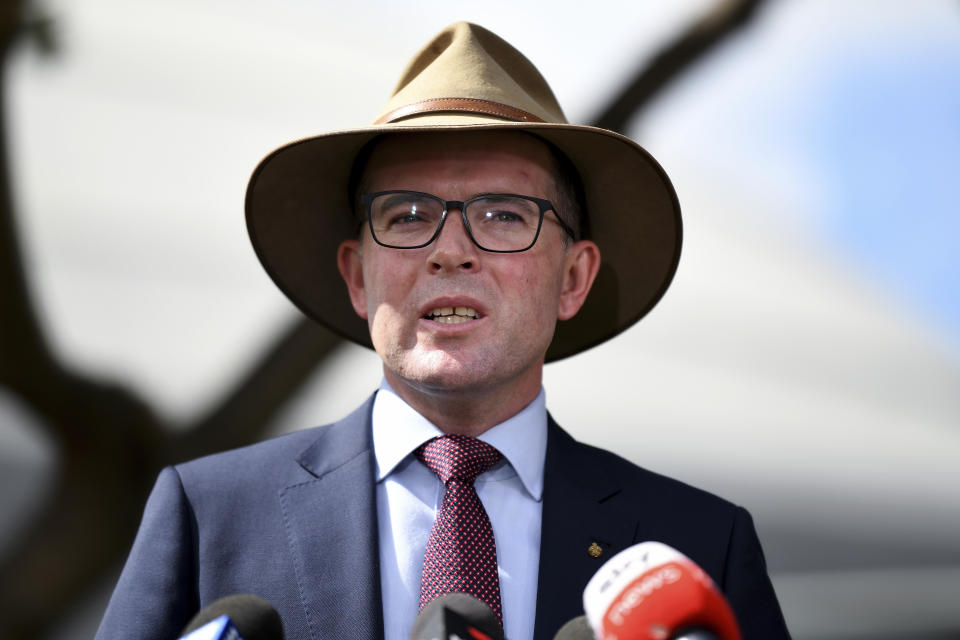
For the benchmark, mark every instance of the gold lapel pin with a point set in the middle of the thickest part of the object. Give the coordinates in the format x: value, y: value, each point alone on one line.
x: 594, y: 550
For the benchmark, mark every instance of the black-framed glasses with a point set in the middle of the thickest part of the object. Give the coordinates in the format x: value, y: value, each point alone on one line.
x: 496, y: 222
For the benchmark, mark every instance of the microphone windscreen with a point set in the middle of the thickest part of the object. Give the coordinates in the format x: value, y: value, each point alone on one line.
x: 651, y: 591
x: 576, y: 629
x: 456, y: 614
x: 253, y: 617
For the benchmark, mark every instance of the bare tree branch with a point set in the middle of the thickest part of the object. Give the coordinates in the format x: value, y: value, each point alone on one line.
x: 241, y: 417
x: 669, y: 64
x: 111, y: 445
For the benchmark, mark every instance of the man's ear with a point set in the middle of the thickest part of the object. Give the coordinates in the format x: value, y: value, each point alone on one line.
x: 581, y: 264
x: 350, y: 264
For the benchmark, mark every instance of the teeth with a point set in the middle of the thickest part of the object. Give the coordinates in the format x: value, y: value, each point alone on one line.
x: 452, y: 315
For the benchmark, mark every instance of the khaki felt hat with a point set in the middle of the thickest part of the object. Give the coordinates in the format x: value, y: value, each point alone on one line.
x: 299, y: 208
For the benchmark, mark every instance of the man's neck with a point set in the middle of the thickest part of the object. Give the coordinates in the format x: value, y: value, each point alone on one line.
x: 467, y: 412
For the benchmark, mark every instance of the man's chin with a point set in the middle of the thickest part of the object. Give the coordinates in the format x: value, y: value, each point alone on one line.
x: 442, y: 370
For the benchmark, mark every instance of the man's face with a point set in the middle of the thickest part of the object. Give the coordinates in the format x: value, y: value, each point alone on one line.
x: 512, y: 300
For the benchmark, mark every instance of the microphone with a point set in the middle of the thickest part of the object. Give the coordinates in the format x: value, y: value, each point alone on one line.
x: 579, y: 629
x: 576, y: 629
x: 456, y: 616
x: 651, y: 591
x: 237, y: 617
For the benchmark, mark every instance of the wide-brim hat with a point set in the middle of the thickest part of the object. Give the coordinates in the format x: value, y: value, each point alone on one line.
x: 299, y: 208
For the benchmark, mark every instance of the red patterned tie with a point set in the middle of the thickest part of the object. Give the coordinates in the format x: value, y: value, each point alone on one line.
x: 461, y: 555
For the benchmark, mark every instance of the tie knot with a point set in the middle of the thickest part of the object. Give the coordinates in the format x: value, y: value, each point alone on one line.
x: 456, y: 456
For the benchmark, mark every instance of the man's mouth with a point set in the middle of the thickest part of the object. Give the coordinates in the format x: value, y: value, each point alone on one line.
x: 452, y: 315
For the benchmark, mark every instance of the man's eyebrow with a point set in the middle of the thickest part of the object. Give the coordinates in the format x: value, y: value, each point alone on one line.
x: 401, y: 198
x: 496, y: 197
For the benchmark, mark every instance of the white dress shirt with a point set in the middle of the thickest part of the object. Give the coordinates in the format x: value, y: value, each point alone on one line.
x: 409, y: 494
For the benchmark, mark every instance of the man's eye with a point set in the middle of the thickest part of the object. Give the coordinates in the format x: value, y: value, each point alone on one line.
x: 502, y: 217
x: 406, y: 217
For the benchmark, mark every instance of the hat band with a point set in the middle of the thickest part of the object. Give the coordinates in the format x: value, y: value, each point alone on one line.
x: 463, y: 105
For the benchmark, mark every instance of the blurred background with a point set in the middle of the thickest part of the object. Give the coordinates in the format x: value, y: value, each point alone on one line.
x: 804, y: 364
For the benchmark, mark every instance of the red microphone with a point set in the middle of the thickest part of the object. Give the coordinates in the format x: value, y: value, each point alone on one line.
x: 651, y: 591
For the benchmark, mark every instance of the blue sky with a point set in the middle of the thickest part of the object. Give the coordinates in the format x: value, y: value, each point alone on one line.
x: 850, y: 116
x: 889, y: 150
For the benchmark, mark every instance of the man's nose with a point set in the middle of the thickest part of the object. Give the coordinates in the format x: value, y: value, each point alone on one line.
x: 453, y: 249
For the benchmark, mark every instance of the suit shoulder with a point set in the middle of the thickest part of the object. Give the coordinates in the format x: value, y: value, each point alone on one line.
x: 283, y: 447
x: 279, y: 458
x: 655, y: 488
x: 246, y: 473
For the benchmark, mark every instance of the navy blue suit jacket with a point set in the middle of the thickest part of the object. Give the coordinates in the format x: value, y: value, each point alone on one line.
x: 293, y: 520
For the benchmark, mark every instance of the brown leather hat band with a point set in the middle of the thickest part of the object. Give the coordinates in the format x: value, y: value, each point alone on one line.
x: 467, y: 105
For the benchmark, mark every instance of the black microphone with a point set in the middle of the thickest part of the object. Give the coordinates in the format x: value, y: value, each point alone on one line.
x: 577, y: 629
x: 456, y: 615
x: 237, y: 617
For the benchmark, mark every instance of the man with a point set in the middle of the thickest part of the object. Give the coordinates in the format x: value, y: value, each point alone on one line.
x: 478, y: 236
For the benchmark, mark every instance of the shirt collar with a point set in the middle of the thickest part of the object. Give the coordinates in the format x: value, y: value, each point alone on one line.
x: 522, y: 439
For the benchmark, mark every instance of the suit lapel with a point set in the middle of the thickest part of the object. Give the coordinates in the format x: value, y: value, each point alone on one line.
x: 577, y: 514
x: 332, y: 531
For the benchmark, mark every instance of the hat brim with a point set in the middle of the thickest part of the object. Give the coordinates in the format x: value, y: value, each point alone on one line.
x: 298, y: 212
